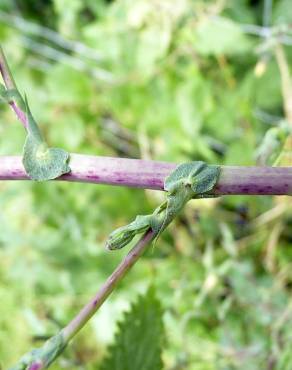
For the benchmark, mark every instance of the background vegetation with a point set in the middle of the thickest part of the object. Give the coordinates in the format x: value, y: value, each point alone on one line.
x: 165, y: 80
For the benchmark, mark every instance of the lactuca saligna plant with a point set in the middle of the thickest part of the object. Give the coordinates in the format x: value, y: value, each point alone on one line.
x: 181, y: 182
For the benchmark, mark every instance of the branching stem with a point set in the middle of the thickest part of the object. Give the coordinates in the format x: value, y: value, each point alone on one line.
x: 146, y: 174
x: 130, y: 173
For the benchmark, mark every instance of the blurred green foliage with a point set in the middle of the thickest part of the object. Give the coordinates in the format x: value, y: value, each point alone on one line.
x: 161, y: 79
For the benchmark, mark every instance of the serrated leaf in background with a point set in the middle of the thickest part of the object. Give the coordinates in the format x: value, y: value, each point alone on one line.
x: 138, y: 342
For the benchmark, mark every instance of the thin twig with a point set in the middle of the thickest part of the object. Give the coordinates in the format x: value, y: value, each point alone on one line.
x: 62, y: 57
x: 271, y: 246
x: 286, y: 82
x: 267, y: 13
x: 25, y: 26
x: 286, y: 87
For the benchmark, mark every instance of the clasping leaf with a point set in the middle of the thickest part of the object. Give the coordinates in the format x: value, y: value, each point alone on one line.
x: 41, y: 162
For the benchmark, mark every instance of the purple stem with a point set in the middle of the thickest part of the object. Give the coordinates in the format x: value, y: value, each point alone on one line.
x: 35, y: 366
x: 19, y: 113
x: 151, y: 174
x: 88, y: 311
x: 147, y: 174
x: 11, y: 85
x: 106, y: 289
x: 141, y: 174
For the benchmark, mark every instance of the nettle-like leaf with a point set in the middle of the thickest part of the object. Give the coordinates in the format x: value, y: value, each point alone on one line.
x: 41, y: 162
x: 138, y: 343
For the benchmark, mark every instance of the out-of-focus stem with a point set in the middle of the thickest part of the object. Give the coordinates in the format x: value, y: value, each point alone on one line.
x: 286, y: 87
x: 151, y: 174
x: 5, y: 72
x: 286, y: 82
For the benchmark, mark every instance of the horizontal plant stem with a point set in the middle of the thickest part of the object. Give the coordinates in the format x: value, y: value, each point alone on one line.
x: 151, y: 174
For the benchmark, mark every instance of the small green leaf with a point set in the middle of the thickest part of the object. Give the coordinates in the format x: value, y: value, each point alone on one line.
x: 138, y: 343
x: 41, y: 162
x: 123, y: 235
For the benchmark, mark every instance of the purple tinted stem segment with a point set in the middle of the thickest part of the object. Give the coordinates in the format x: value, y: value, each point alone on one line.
x: 69, y: 331
x: 88, y: 311
x: 254, y: 181
x: 35, y: 366
x: 151, y: 174
x: 10, y: 85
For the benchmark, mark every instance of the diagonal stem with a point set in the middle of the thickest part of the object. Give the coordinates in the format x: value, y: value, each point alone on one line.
x: 5, y: 72
x: 11, y: 85
x: 286, y: 81
x: 90, y: 308
x: 88, y: 311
